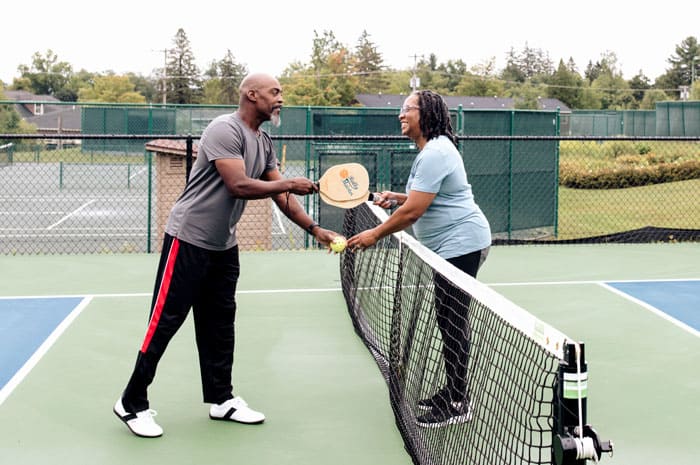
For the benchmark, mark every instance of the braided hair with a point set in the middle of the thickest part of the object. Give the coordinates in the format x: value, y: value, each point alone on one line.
x: 434, y: 116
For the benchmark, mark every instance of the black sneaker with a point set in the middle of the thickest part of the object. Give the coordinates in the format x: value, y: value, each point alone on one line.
x: 437, y: 400
x: 455, y: 413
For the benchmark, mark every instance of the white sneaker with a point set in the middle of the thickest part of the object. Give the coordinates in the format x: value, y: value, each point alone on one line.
x: 140, y: 423
x: 235, y: 409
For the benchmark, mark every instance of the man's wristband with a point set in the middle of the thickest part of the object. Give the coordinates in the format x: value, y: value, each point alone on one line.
x: 310, y: 228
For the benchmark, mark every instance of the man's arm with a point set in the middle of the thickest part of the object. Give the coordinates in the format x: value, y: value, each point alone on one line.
x: 240, y: 185
x: 291, y: 207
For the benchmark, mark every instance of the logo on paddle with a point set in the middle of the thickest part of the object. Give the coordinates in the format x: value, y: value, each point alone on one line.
x: 349, y: 182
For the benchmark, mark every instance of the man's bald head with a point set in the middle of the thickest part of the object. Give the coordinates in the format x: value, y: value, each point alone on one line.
x: 260, y: 100
x: 256, y: 81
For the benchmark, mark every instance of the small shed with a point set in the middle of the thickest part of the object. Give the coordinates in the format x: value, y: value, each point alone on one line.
x: 254, y: 230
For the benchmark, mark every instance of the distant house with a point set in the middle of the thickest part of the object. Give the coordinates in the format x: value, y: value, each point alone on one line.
x: 42, y: 112
x: 481, y: 103
x: 48, y: 114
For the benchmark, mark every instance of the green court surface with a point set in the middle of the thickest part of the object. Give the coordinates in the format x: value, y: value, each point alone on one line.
x: 299, y: 361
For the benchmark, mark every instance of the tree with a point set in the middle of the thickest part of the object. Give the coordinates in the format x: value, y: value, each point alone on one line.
x: 527, y: 95
x: 613, y: 92
x: 146, y: 86
x: 183, y: 82
x: 479, y: 86
x: 452, y: 72
x: 686, y: 61
x: 10, y: 120
x: 565, y: 85
x: 224, y: 78
x: 695, y: 90
x: 116, y: 89
x: 651, y: 97
x: 331, y: 70
x: 639, y: 85
x: 368, y: 64
x: 46, y: 75
x: 531, y: 62
x: 512, y: 71
x: 69, y: 92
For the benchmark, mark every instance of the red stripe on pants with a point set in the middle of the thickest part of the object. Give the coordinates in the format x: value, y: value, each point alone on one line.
x: 165, y: 282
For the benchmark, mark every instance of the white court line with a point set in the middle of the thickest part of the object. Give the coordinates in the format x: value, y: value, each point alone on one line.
x: 138, y: 173
x: 278, y: 216
x: 149, y: 294
x: 653, y: 309
x: 43, y: 348
x: 83, y: 206
x: 598, y: 281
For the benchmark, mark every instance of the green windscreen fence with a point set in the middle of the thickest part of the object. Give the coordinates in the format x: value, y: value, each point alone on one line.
x: 596, y: 123
x: 514, y: 181
x: 678, y: 119
x: 124, y: 120
x: 639, y: 123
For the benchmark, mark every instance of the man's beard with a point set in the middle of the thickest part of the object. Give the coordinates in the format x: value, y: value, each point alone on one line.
x: 276, y: 120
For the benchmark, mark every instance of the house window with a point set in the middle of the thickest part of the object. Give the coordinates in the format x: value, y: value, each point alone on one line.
x: 38, y: 108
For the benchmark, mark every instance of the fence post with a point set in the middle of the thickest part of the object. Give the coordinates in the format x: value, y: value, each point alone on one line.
x: 188, y: 157
x: 149, y: 232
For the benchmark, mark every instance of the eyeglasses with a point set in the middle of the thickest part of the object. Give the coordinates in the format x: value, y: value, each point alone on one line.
x: 406, y: 108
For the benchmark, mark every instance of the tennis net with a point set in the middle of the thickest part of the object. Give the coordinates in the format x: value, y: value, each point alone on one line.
x: 514, y: 407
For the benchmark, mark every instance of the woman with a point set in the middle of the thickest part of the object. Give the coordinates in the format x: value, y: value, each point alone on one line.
x: 439, y: 204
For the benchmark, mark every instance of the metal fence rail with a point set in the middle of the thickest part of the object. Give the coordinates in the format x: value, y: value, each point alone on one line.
x: 112, y: 193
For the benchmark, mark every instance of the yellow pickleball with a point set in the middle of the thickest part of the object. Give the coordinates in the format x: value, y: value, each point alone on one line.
x: 338, y: 244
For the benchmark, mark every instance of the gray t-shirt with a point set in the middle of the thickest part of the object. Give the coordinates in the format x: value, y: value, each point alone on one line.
x: 206, y: 213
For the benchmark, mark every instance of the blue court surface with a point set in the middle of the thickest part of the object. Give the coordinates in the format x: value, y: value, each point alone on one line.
x: 25, y: 325
x: 679, y: 300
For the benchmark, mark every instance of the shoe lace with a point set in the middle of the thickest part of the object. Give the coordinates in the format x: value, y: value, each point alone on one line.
x: 147, y: 415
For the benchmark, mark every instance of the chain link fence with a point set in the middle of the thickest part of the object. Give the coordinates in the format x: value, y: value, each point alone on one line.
x: 97, y: 194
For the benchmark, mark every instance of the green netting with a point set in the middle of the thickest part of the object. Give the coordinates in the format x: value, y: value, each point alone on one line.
x: 678, y: 119
x: 124, y: 120
x: 596, y: 123
x: 639, y: 123
x: 355, y: 121
x: 514, y: 182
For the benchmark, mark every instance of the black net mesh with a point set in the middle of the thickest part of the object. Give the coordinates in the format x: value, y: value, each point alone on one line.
x: 471, y: 376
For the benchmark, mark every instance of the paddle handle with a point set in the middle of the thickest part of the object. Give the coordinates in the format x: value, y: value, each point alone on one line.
x: 373, y: 197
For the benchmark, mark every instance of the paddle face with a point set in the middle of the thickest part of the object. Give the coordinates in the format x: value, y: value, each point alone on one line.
x: 345, y: 185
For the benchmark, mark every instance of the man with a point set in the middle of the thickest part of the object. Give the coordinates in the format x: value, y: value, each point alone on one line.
x: 199, y: 264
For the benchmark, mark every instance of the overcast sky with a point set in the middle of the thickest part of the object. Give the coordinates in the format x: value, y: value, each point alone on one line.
x: 129, y: 36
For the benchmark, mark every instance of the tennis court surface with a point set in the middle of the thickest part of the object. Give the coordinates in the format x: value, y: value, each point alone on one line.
x: 299, y: 360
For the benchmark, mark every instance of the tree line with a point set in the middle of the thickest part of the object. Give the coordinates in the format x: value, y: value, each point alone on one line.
x: 336, y: 73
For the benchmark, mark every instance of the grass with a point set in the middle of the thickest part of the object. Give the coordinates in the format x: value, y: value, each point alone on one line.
x: 76, y: 155
x: 586, y: 212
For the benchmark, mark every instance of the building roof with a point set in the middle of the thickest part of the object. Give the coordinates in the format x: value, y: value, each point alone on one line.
x: 53, y: 117
x: 482, y: 103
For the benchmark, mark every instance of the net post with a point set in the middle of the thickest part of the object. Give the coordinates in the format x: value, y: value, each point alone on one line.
x: 573, y: 440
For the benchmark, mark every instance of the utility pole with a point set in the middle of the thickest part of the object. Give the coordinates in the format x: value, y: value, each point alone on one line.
x: 415, y: 80
x: 165, y: 72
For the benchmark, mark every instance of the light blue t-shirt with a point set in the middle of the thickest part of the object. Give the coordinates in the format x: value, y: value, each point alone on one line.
x: 453, y: 225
